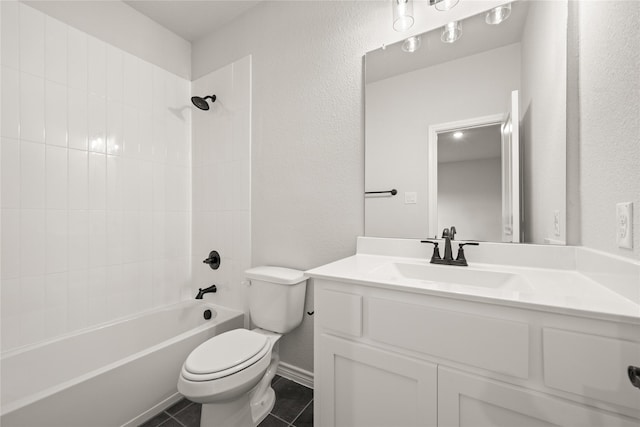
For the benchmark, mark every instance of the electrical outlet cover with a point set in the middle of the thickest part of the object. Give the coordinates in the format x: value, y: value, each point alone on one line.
x: 624, y: 225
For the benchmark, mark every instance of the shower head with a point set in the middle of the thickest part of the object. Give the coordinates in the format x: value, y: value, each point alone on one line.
x: 202, y: 103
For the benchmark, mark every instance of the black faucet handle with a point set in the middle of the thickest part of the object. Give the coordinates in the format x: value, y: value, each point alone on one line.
x: 460, y: 258
x: 445, y: 233
x: 436, y: 250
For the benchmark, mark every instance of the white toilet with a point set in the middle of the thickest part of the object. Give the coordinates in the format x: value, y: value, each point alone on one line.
x: 231, y: 373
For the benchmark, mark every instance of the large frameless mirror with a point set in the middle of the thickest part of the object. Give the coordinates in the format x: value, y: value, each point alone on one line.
x: 467, y: 123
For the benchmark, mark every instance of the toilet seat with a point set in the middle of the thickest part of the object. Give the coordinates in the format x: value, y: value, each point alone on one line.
x: 225, y: 354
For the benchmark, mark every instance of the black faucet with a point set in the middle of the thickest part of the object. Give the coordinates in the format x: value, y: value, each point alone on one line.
x: 201, y: 291
x: 448, y: 234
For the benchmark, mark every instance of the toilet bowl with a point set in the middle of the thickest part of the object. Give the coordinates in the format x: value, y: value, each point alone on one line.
x: 231, y: 373
x: 231, y: 376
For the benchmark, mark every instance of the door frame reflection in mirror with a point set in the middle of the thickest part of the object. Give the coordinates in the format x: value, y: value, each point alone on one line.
x: 432, y: 157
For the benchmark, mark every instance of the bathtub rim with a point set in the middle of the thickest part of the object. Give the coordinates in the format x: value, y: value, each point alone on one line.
x: 34, y: 397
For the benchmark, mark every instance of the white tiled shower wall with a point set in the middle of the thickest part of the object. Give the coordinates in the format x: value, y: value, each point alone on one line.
x: 221, y: 182
x: 96, y: 171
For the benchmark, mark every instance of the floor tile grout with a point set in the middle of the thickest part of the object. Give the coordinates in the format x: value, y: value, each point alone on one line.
x: 301, y: 412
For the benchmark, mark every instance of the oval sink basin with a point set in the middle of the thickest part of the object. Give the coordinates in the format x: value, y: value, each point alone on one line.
x: 452, y: 275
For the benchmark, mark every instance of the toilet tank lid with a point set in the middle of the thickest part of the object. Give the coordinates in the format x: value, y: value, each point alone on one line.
x: 280, y: 275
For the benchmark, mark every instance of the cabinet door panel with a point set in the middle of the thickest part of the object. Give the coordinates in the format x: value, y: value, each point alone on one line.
x: 468, y: 400
x: 369, y: 387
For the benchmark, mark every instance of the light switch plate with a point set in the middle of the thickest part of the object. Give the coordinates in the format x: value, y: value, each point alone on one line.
x: 624, y: 225
x: 410, y: 197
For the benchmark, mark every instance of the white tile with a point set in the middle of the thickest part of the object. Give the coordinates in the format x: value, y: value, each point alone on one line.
x: 57, y: 238
x: 32, y: 242
x: 55, y: 44
x: 10, y: 300
x: 32, y: 293
x: 223, y: 233
x: 32, y: 327
x: 145, y: 135
x: 158, y: 138
x: 77, y: 61
x: 241, y: 185
x: 10, y: 34
x: 56, y: 293
x: 56, y: 177
x: 242, y: 83
x: 96, y: 296
x: 78, y: 283
x: 56, y: 323
x: 114, y: 183
x: 10, y: 173
x: 198, y: 188
x: 131, y: 80
x: 145, y: 236
x: 114, y: 128
x: 114, y: 238
x: 97, y: 238
x: 10, y: 325
x: 31, y: 107
x: 241, y: 134
x: 183, y: 183
x: 10, y: 255
x: 130, y: 184
x: 97, y: 67
x: 131, y: 132
x: 159, y: 235
x: 10, y: 100
x: 32, y: 175
x: 158, y: 186
x: 146, y: 186
x: 97, y: 181
x: 77, y: 119
x: 241, y: 240
x: 115, y: 73
x: 145, y: 285
x: 224, y: 171
x: 97, y: 123
x: 131, y: 237
x: 78, y: 240
x: 55, y: 114
x: 78, y: 180
x: 146, y: 87
x: 31, y: 40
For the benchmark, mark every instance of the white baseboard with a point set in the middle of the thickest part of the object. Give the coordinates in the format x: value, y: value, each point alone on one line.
x: 295, y: 374
x: 147, y: 415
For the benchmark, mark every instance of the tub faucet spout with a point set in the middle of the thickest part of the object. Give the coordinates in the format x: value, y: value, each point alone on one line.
x: 201, y: 291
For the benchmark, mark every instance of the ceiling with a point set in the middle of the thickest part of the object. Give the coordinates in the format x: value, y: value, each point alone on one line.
x: 189, y: 19
x: 476, y: 143
x: 477, y: 37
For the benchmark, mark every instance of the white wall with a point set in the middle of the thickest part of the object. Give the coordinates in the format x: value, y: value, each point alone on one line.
x: 609, y: 91
x: 400, y: 110
x: 95, y: 180
x: 543, y: 119
x: 308, y: 144
x: 222, y: 183
x: 470, y: 198
x: 120, y: 25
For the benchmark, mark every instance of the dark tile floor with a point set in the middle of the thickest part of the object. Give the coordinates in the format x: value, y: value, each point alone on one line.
x: 293, y: 408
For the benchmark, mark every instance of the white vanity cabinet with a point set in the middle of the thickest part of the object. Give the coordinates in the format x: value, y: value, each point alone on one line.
x: 386, y: 357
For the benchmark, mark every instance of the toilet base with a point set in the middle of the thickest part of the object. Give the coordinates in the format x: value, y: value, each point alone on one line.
x: 260, y: 410
x: 239, y: 412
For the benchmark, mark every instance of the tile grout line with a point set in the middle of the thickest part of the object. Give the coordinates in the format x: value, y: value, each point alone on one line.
x: 303, y: 409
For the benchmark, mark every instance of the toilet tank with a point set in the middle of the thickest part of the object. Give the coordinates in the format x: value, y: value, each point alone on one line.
x: 276, y: 297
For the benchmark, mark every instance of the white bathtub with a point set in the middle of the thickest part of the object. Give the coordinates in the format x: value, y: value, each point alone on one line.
x: 117, y: 374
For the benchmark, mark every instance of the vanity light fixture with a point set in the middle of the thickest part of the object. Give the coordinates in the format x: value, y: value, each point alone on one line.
x: 451, y: 32
x: 498, y: 14
x: 402, y: 14
x: 411, y: 44
x: 458, y: 135
x: 443, y: 5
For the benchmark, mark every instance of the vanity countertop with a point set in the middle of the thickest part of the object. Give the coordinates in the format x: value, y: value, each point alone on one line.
x: 561, y: 290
